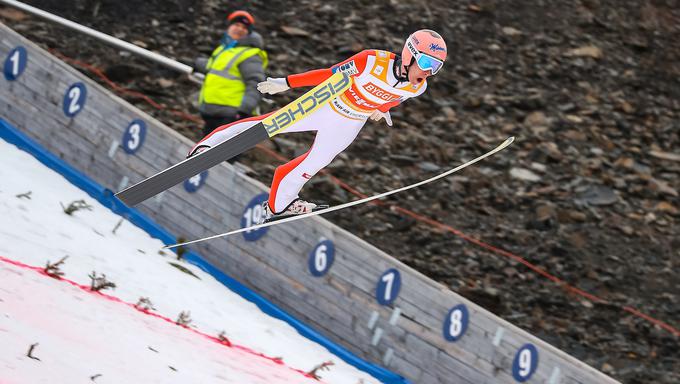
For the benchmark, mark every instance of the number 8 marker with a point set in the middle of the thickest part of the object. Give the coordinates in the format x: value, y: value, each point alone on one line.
x: 456, y: 322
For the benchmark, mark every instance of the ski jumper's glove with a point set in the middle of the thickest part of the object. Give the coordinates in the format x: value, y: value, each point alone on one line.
x: 377, y: 115
x: 273, y: 85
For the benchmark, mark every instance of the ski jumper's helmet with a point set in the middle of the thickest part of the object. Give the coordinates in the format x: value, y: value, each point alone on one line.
x: 426, y: 48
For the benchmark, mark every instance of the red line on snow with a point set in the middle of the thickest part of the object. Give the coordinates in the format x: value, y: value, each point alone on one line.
x: 538, y: 270
x: 86, y: 288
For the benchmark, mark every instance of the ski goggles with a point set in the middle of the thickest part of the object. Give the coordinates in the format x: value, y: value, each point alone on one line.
x: 425, y: 61
x: 428, y: 63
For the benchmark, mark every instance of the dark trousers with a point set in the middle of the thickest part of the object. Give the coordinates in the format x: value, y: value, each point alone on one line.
x: 213, y: 122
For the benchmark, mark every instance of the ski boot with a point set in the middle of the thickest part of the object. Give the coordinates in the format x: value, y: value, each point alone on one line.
x: 202, y: 148
x: 197, y: 150
x: 297, y: 207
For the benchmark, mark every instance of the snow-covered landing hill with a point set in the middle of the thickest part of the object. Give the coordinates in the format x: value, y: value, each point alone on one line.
x: 81, y: 334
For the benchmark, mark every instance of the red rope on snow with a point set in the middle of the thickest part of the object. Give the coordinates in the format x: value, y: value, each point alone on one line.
x: 86, y: 288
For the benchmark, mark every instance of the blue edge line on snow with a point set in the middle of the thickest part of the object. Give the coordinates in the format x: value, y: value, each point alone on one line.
x: 106, y: 197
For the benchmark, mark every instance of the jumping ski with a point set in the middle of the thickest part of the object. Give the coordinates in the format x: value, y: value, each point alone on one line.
x: 268, y: 127
x: 499, y: 148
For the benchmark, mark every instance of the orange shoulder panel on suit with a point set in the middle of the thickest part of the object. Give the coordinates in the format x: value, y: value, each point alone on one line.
x: 356, y: 63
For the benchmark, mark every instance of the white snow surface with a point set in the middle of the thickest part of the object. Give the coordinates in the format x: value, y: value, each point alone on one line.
x: 81, y: 334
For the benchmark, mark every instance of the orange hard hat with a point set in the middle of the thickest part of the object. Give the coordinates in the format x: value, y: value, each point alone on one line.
x: 241, y: 17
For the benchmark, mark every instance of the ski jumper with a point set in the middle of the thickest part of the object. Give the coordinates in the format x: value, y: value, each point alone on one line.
x: 375, y: 86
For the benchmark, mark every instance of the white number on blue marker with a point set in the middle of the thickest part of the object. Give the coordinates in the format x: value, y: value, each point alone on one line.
x: 134, y: 141
x: 74, y: 96
x: 134, y: 135
x: 456, y: 323
x: 388, y: 279
x: 525, y: 363
x: 320, y: 259
x: 253, y: 215
x: 74, y: 99
x: 196, y: 180
x: 388, y: 287
x: 15, y: 63
x: 15, y: 59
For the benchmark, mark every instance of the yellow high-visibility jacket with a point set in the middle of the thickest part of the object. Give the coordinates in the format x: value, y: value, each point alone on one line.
x: 232, y: 74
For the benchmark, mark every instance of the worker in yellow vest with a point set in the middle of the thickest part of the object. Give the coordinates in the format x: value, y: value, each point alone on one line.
x: 233, y: 70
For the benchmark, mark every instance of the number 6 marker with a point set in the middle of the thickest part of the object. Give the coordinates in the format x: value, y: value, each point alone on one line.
x: 321, y: 258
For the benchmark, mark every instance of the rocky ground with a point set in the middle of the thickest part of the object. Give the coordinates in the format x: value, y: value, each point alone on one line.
x: 589, y: 192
